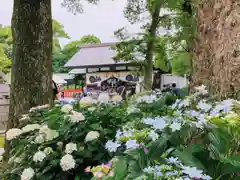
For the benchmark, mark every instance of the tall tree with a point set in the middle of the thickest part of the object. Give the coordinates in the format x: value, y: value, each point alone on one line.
x: 31, y: 83
x: 71, y: 48
x: 58, y: 33
x: 143, y: 47
x: 216, y: 60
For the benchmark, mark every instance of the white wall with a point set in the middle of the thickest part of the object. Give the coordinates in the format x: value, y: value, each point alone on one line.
x: 169, y: 78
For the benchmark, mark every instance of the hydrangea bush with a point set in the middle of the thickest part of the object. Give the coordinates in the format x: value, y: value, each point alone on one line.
x: 152, y: 136
x: 194, y: 138
x: 58, y: 143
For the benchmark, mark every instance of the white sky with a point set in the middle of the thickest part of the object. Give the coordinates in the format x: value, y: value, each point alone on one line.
x: 101, y: 20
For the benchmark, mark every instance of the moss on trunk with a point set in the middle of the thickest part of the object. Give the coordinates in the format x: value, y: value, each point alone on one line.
x: 216, y: 60
x: 32, y: 51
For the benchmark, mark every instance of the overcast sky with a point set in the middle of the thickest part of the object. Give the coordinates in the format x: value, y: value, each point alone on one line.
x: 101, y: 20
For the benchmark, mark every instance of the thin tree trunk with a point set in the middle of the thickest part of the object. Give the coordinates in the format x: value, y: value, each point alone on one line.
x: 32, y: 51
x: 217, y: 49
x: 148, y: 69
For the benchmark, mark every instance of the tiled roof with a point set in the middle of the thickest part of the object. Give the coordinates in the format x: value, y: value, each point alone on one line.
x: 93, y: 55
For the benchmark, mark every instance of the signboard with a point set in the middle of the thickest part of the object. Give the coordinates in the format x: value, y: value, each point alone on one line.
x: 92, y: 78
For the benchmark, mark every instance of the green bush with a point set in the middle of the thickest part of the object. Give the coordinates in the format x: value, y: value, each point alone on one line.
x: 47, y: 132
x: 148, y: 137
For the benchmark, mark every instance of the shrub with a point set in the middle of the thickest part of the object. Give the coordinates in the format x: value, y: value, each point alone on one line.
x: 194, y: 138
x: 49, y: 139
x: 151, y: 136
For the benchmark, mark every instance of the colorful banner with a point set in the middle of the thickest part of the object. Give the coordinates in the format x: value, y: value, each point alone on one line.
x: 92, y: 78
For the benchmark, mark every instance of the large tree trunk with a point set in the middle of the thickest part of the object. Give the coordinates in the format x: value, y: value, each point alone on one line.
x: 32, y: 50
x: 217, y: 49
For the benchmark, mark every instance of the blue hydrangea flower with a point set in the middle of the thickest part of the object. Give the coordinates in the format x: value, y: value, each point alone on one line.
x: 132, y: 144
x: 112, y: 146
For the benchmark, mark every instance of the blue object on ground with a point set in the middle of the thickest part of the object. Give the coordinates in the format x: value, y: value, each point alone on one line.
x: 67, y: 102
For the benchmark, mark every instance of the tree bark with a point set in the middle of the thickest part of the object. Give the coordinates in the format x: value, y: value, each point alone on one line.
x: 31, y: 81
x: 216, y: 62
x: 148, y: 69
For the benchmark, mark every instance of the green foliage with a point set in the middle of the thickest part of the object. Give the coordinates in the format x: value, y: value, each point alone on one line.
x: 75, y: 6
x: 212, y: 147
x: 148, y: 130
x: 181, y: 64
x: 60, y: 129
x: 63, y: 55
x: 172, y: 48
x: 5, y: 46
x: 58, y: 33
x: 73, y: 47
x: 58, y: 62
x: 5, y: 63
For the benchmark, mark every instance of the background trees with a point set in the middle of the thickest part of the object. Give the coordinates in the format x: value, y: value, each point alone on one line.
x: 61, y: 56
x: 164, y: 40
x: 5, y: 48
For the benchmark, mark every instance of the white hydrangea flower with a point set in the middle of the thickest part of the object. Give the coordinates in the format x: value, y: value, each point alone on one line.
x: 39, y: 156
x: 51, y: 134
x: 47, y: 133
x: 76, y: 117
x: 67, y: 162
x: 91, y: 136
x: 175, y: 126
x: 13, y: 133
x: 201, y: 90
x: 17, y: 160
x: 43, y: 129
x: 153, y: 135
x: 202, y: 105
x: 30, y: 127
x: 147, y: 98
x: 184, y: 103
x: 67, y: 108
x: 24, y: 118
x: 132, y: 109
x: 27, y: 174
x: 70, y: 147
x: 192, y: 172
x: 173, y: 160
x: 39, y: 139
x: 103, y: 98
x: 87, y: 101
x: 34, y: 109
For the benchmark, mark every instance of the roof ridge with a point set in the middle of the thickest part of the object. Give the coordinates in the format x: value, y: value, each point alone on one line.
x: 97, y: 45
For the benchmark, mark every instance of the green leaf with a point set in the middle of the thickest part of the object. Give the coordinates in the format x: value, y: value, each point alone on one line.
x: 157, y: 148
x: 95, y: 126
x: 120, y: 169
x: 195, y: 148
x: 188, y: 159
x: 77, y: 178
x: 233, y: 160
